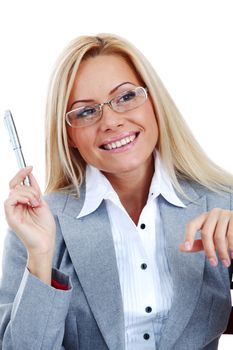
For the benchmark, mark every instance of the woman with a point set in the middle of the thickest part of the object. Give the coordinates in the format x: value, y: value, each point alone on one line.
x: 96, y: 263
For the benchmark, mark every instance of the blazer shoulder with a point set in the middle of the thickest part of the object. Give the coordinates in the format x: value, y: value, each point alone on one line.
x: 201, y: 189
x: 222, y: 199
x: 56, y: 201
x: 65, y: 202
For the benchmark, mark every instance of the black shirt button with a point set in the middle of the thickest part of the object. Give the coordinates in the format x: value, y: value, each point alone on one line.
x: 146, y: 336
x: 148, y: 309
x: 143, y: 266
x: 143, y: 226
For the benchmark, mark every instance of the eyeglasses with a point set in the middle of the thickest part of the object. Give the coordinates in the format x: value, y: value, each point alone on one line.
x: 126, y: 101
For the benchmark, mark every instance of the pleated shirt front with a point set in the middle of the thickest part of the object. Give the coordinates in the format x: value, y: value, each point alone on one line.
x: 144, y: 274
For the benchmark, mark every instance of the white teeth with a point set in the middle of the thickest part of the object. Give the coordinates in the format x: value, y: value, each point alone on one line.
x: 123, y: 142
x: 119, y: 143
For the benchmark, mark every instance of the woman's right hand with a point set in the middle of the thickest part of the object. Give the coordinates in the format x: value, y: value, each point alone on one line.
x: 29, y: 215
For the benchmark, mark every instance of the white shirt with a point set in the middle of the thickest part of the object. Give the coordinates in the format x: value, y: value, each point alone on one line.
x: 146, y: 283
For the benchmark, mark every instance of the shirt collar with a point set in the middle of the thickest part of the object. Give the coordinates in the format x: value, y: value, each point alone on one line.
x: 161, y: 184
x: 98, y: 188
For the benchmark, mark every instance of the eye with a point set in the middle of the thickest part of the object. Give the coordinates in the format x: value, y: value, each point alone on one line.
x: 87, y: 111
x: 126, y: 97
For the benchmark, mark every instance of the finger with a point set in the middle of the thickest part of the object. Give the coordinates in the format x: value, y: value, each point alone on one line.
x: 20, y: 176
x: 21, y: 199
x: 34, y: 183
x: 16, y: 196
x: 191, y: 228
x: 27, y: 189
x: 230, y: 235
x: 220, y: 237
x: 196, y: 247
x: 207, y: 235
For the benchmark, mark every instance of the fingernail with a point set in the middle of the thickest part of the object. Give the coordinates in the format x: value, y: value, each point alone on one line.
x: 213, y: 262
x: 35, y: 203
x: 187, y: 245
x: 226, y: 262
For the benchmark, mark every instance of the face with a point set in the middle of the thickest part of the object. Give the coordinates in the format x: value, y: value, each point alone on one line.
x: 98, y: 80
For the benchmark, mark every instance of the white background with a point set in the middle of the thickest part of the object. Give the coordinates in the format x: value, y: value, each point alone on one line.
x: 189, y: 42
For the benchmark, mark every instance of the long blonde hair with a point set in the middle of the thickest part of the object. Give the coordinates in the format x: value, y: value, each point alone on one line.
x: 182, y: 156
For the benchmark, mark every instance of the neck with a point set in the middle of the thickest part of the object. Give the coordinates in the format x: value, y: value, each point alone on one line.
x: 133, y: 187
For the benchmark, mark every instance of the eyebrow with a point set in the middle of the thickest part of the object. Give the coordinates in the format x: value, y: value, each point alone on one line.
x: 111, y: 92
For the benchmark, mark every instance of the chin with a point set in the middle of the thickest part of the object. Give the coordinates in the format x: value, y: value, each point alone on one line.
x: 122, y: 168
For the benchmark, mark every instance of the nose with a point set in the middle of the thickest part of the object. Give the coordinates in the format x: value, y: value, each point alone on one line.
x: 110, y: 119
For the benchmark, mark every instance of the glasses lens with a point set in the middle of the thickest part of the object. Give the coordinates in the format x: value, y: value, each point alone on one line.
x: 129, y: 99
x: 83, y: 116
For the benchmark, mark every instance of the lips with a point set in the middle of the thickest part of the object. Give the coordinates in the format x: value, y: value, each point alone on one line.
x: 120, y: 142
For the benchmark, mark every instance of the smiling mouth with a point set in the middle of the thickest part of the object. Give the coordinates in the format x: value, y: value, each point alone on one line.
x: 120, y: 143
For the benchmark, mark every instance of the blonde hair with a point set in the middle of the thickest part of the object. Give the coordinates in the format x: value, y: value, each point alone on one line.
x: 182, y: 156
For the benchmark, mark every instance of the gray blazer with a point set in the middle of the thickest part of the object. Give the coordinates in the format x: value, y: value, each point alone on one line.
x: 89, y: 316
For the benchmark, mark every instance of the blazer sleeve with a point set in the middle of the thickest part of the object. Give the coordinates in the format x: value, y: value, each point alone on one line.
x: 32, y: 313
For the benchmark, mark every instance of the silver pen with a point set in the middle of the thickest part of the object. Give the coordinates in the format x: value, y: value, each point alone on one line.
x: 14, y: 139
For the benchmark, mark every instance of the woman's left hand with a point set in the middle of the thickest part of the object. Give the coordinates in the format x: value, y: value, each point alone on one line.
x: 216, y: 227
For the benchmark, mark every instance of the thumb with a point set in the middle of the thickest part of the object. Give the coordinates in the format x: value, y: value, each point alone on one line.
x: 34, y: 183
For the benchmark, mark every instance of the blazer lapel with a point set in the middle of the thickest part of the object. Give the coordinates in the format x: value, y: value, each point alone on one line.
x: 91, y: 248
x: 187, y: 281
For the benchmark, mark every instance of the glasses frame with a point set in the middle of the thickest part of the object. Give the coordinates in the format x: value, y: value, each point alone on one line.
x: 108, y: 103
